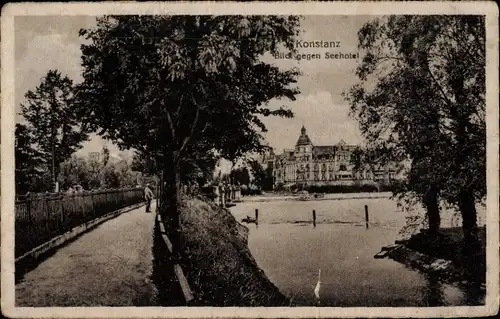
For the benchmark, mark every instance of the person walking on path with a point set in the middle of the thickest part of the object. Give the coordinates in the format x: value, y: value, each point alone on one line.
x: 148, y: 196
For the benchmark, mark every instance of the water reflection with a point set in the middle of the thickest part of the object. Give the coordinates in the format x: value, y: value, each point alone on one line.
x: 291, y: 255
x: 433, y: 293
x: 474, y: 294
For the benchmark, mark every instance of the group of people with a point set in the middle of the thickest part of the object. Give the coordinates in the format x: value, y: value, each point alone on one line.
x: 75, y: 189
x: 225, y: 192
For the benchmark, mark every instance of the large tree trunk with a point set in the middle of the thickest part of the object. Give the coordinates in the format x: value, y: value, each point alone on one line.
x: 474, y: 265
x: 169, y: 211
x: 469, y: 222
x: 431, y: 203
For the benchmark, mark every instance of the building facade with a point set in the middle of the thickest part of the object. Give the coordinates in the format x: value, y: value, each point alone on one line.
x: 309, y: 164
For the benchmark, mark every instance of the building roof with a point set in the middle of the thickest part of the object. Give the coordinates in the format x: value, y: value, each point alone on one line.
x: 303, y: 138
x: 324, y: 149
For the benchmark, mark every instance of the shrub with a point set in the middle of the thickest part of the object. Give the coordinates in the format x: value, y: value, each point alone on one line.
x: 250, y: 192
x: 208, y: 192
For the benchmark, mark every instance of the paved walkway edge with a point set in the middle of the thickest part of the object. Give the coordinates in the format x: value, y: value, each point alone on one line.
x: 186, y: 290
x: 76, y: 231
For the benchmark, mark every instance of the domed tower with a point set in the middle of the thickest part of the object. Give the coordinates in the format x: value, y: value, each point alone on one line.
x: 304, y: 146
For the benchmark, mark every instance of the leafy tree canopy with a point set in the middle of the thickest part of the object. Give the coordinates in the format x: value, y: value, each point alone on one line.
x: 174, y: 87
x: 53, y: 121
x: 165, y: 84
x: 427, y: 103
x: 31, y: 168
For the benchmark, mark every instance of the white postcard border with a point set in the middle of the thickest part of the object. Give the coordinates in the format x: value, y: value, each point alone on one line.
x: 307, y: 8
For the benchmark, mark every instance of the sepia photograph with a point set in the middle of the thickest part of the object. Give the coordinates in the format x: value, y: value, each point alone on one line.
x: 196, y: 160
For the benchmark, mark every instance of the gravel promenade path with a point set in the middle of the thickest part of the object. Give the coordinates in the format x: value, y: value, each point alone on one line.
x: 109, y: 266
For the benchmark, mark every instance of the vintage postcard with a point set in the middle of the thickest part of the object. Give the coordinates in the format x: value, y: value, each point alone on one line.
x: 249, y: 160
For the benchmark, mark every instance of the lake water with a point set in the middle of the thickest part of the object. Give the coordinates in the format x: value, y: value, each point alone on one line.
x: 291, y: 251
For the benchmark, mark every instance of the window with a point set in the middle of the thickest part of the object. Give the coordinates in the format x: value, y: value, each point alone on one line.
x: 343, y: 168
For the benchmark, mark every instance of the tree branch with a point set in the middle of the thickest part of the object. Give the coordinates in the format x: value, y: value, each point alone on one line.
x: 448, y: 101
x: 193, y: 126
x: 179, y: 110
x: 171, y: 124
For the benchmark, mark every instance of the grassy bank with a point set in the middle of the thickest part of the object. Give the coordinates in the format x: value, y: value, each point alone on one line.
x: 219, y: 266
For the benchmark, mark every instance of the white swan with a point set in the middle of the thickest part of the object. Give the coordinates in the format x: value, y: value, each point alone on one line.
x: 318, y: 285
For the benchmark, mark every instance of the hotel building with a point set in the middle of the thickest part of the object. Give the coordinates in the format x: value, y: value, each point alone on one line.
x: 320, y: 165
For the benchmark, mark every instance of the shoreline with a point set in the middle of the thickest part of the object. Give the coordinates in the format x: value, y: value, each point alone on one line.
x: 219, y: 259
x: 334, y: 196
x: 219, y: 265
x: 437, y: 264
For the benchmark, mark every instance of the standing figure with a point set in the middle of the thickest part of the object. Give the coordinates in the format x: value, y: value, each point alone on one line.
x: 148, y: 196
x: 217, y: 194
x: 223, y: 195
x: 70, y: 191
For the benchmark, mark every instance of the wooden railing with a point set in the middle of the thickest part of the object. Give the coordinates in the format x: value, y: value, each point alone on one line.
x: 41, y: 217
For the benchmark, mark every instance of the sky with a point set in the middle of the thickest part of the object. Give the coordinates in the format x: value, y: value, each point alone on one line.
x: 44, y: 43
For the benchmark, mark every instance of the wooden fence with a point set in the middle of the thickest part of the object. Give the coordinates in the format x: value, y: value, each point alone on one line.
x: 41, y: 217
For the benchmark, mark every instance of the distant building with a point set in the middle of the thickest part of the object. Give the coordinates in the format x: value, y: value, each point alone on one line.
x: 309, y: 164
x: 267, y: 159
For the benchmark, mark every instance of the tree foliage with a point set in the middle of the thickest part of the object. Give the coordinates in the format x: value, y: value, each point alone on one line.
x: 52, y: 121
x: 421, y: 97
x: 31, y: 169
x: 174, y: 87
x: 357, y: 159
x: 261, y: 177
x: 240, y: 176
x: 99, y: 173
x: 77, y: 171
x: 160, y: 83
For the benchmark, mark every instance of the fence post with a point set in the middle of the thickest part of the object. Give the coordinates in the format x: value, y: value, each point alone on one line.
x: 61, y: 198
x: 156, y: 199
x: 314, y: 218
x: 93, y: 205
x: 47, y: 219
x: 160, y: 194
x: 106, y: 200
x: 366, y: 216
x: 28, y: 210
x: 256, y: 216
